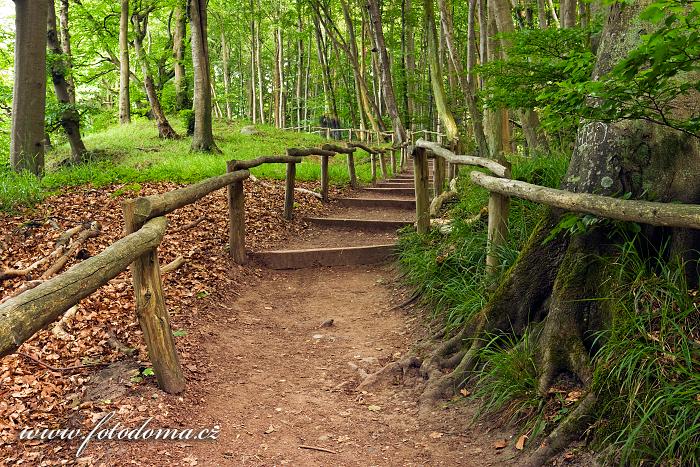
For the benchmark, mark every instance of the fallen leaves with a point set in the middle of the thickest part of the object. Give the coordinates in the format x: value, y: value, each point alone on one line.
x: 104, y: 325
x: 374, y: 408
x: 520, y: 444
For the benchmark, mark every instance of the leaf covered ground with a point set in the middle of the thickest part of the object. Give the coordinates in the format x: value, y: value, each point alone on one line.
x: 104, y: 329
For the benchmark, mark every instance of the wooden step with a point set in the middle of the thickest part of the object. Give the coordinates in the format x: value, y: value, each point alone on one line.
x: 344, y: 256
x: 378, y: 203
x: 359, y: 224
x: 406, y: 184
x: 410, y: 191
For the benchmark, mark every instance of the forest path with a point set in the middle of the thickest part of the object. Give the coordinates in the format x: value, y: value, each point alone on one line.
x: 280, y: 383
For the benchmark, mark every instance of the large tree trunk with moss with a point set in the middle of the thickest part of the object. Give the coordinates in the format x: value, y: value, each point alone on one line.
x: 59, y: 65
x: 203, y: 137
x: 553, y: 289
x: 29, y: 94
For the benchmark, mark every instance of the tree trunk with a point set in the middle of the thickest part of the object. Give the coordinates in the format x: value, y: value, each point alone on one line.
x: 70, y: 118
x: 300, y: 65
x: 436, y: 75
x: 541, y: 14
x: 225, y: 59
x: 124, y: 99
x: 330, y: 107
x: 29, y: 94
x: 139, y: 20
x: 567, y: 14
x: 182, y: 100
x: 258, y: 68
x: 528, y: 118
x: 409, y: 59
x: 385, y: 70
x: 253, y: 88
x: 66, y: 48
x: 466, y: 81
x: 367, y: 106
x: 203, y: 137
x: 554, y: 288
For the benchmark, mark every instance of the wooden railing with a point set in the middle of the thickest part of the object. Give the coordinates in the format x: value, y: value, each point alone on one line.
x: 23, y: 315
x: 501, y: 187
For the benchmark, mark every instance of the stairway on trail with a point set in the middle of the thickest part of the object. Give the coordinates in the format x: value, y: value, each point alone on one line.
x: 361, y: 228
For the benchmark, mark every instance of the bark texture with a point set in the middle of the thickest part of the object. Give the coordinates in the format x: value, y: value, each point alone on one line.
x: 29, y: 94
x: 124, y: 99
x: 203, y: 137
x: 70, y: 118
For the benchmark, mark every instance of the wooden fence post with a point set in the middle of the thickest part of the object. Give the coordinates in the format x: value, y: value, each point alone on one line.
x: 439, y: 175
x: 393, y: 162
x: 351, y: 170
x: 499, y: 207
x: 328, y: 133
x: 151, y: 311
x: 350, y: 134
x: 236, y: 218
x: 324, y: 178
x: 289, y: 191
x: 420, y: 174
x: 373, y: 162
x: 382, y: 165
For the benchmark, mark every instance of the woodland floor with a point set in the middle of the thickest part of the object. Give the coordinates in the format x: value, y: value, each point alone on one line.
x: 257, y: 360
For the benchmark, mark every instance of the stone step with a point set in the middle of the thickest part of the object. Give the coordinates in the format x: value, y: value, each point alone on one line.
x: 410, y: 191
x: 343, y: 256
x: 359, y: 224
x: 378, y: 203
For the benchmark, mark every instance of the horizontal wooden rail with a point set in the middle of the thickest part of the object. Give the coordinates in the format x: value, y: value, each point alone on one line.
x: 148, y: 207
x: 453, y: 158
x: 22, y: 316
x: 258, y: 161
x: 338, y: 149
x: 296, y: 152
x: 646, y: 212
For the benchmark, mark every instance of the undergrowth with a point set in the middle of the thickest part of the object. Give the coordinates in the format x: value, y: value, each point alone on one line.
x: 449, y: 270
x: 133, y: 153
x: 646, y: 369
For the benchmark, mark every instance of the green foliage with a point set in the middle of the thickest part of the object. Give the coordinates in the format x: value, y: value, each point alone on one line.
x: 539, y: 63
x: 655, y: 79
x: 647, y: 372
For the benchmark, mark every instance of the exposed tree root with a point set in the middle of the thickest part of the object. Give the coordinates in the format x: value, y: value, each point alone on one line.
x: 567, y: 431
x: 389, y: 372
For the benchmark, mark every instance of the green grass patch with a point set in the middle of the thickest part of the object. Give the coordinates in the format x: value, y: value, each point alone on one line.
x: 134, y: 154
x: 647, y: 371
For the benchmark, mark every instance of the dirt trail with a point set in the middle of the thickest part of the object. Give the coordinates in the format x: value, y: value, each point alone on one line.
x: 283, y: 387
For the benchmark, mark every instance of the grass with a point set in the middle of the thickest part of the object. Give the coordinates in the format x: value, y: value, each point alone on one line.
x: 449, y: 270
x: 506, y: 383
x: 648, y: 368
x: 134, y: 153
